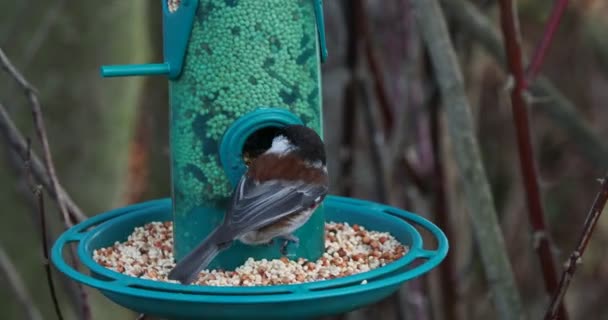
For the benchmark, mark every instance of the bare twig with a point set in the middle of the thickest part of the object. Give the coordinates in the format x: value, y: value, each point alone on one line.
x: 541, y: 50
x: 498, y: 270
x: 39, y: 196
x: 17, y: 142
x: 48, y: 162
x: 559, y: 109
x: 510, y: 26
x: 32, y: 96
x: 15, y: 283
x: 576, y: 257
x: 25, y: 189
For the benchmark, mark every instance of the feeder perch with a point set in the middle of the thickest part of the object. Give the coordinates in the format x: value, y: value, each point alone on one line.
x: 237, y: 69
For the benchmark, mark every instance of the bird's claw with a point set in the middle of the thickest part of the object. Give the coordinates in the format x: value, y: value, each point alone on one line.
x: 287, y: 239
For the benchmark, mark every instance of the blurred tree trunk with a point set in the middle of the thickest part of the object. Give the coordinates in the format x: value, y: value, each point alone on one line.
x: 59, y: 46
x: 149, y: 174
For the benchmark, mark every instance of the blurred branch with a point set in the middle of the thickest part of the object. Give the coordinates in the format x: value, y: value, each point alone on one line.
x: 559, y: 7
x: 21, y: 9
x: 139, y: 157
x: 363, y: 29
x: 24, y: 187
x: 32, y: 96
x: 375, y: 148
x: 349, y: 111
x: 41, y: 34
x: 576, y: 257
x: 561, y: 110
x: 17, y: 142
x: 498, y: 271
x: 16, y: 285
x: 512, y: 39
x: 39, y: 196
x: 448, y: 268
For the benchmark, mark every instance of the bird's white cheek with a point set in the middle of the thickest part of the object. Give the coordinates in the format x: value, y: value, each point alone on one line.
x: 280, y: 146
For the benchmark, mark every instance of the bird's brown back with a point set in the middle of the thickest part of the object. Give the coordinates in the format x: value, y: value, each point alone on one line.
x: 287, y: 167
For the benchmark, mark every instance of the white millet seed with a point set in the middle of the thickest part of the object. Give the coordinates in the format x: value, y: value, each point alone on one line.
x: 148, y: 254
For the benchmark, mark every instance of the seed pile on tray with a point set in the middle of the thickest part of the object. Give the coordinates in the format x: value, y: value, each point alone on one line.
x: 148, y: 254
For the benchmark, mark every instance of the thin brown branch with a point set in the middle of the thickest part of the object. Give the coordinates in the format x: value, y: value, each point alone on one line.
x: 576, y: 257
x: 39, y: 196
x: 498, y: 271
x: 17, y: 142
x: 16, y: 285
x: 60, y: 195
x: 510, y: 29
x: 32, y: 97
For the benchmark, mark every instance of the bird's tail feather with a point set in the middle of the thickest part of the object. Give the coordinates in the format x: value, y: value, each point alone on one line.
x: 187, y: 269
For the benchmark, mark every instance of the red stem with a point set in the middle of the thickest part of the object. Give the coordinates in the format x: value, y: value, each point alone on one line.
x: 509, y: 24
x: 541, y: 50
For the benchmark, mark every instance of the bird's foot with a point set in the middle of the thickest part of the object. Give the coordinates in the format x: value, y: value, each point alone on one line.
x: 287, y: 239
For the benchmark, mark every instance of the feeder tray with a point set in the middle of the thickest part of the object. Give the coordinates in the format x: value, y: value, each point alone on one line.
x: 295, y: 301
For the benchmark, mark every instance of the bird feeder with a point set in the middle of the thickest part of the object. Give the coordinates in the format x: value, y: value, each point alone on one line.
x: 237, y: 70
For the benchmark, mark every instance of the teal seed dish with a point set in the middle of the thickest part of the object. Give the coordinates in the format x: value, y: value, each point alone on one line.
x: 242, y: 56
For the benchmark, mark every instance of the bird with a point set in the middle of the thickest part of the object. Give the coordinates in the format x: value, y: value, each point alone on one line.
x: 277, y: 194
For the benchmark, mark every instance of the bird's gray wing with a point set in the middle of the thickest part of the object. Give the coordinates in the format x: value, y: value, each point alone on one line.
x: 256, y: 205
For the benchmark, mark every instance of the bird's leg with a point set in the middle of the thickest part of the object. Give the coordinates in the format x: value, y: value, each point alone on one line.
x: 288, y: 238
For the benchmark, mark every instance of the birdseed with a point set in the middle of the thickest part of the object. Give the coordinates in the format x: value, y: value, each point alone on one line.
x: 148, y: 254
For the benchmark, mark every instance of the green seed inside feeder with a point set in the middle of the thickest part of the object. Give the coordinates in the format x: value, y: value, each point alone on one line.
x: 242, y: 56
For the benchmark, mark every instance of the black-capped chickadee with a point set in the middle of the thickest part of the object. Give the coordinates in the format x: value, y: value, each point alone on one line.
x: 277, y: 195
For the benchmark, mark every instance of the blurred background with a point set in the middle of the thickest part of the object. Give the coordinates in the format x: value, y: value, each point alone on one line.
x: 383, y: 119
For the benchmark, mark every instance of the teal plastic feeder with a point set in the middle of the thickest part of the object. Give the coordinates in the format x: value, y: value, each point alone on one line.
x: 237, y: 69
x: 297, y: 301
